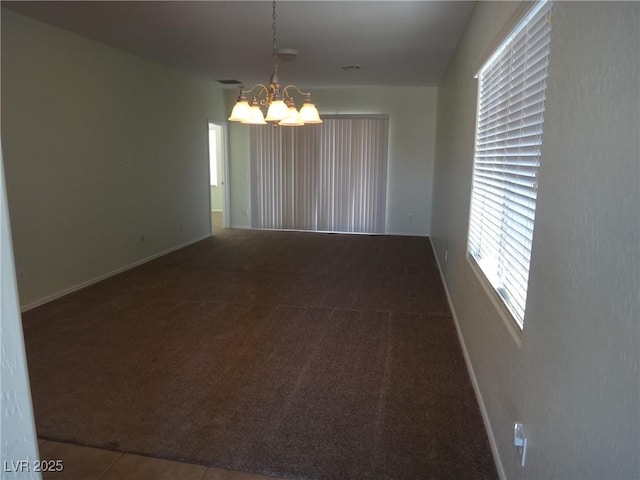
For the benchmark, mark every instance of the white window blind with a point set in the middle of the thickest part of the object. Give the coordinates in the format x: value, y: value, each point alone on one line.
x: 507, y: 156
x: 330, y: 177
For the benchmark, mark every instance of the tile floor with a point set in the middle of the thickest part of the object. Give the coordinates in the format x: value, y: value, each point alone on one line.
x: 87, y: 463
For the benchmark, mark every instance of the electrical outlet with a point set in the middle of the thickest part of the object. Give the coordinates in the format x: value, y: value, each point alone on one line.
x: 446, y: 256
x: 520, y: 441
x: 410, y: 215
x: 21, y: 277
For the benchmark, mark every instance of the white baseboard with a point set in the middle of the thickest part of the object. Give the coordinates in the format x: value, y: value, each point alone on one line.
x: 405, y: 234
x: 474, y: 380
x: 82, y: 285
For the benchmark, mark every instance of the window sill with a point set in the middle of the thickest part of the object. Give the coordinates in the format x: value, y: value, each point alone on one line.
x: 496, y: 301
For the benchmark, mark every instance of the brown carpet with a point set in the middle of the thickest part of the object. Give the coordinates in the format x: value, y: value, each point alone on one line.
x: 299, y: 355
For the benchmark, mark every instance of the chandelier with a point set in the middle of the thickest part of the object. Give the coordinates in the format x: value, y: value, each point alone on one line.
x: 281, y: 108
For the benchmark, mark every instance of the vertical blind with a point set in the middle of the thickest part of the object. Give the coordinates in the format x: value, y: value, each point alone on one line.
x: 328, y: 177
x: 507, y: 157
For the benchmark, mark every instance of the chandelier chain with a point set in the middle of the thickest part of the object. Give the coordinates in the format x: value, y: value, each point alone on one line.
x: 275, y: 45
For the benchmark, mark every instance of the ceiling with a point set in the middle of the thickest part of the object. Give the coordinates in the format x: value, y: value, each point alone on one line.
x: 396, y: 43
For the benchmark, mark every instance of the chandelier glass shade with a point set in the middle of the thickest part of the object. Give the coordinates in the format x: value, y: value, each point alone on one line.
x: 279, y: 102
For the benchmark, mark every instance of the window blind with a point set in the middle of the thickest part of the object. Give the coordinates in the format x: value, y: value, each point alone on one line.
x: 283, y: 177
x: 509, y: 130
x: 352, y: 175
x: 330, y: 177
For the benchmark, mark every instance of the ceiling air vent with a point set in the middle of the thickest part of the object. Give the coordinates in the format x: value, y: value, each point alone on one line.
x: 351, y: 67
x: 230, y: 82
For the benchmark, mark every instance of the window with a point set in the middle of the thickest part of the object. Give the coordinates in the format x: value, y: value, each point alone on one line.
x: 510, y: 118
x: 330, y: 177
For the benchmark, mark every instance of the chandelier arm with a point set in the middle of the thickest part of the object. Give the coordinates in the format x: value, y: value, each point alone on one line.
x: 284, y: 91
x: 263, y: 87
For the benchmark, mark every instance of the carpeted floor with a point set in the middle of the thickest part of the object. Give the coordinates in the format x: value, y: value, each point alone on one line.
x: 299, y: 355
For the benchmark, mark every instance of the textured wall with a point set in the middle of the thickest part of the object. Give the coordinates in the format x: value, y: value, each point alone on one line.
x: 573, y: 377
x: 100, y: 148
x: 412, y: 116
x: 17, y: 431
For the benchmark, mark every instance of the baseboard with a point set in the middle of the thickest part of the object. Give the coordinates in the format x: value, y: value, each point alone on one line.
x: 474, y: 380
x: 82, y: 285
x: 404, y: 234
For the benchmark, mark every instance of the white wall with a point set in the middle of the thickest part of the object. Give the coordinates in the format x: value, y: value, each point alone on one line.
x: 17, y: 430
x: 238, y: 178
x: 412, y: 115
x: 574, y: 378
x: 100, y: 148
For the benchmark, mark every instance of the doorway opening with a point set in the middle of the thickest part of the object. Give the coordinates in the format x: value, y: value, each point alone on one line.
x: 217, y: 170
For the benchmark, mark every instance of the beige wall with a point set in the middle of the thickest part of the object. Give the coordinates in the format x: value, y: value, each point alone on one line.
x: 412, y: 115
x: 574, y: 376
x: 100, y: 148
